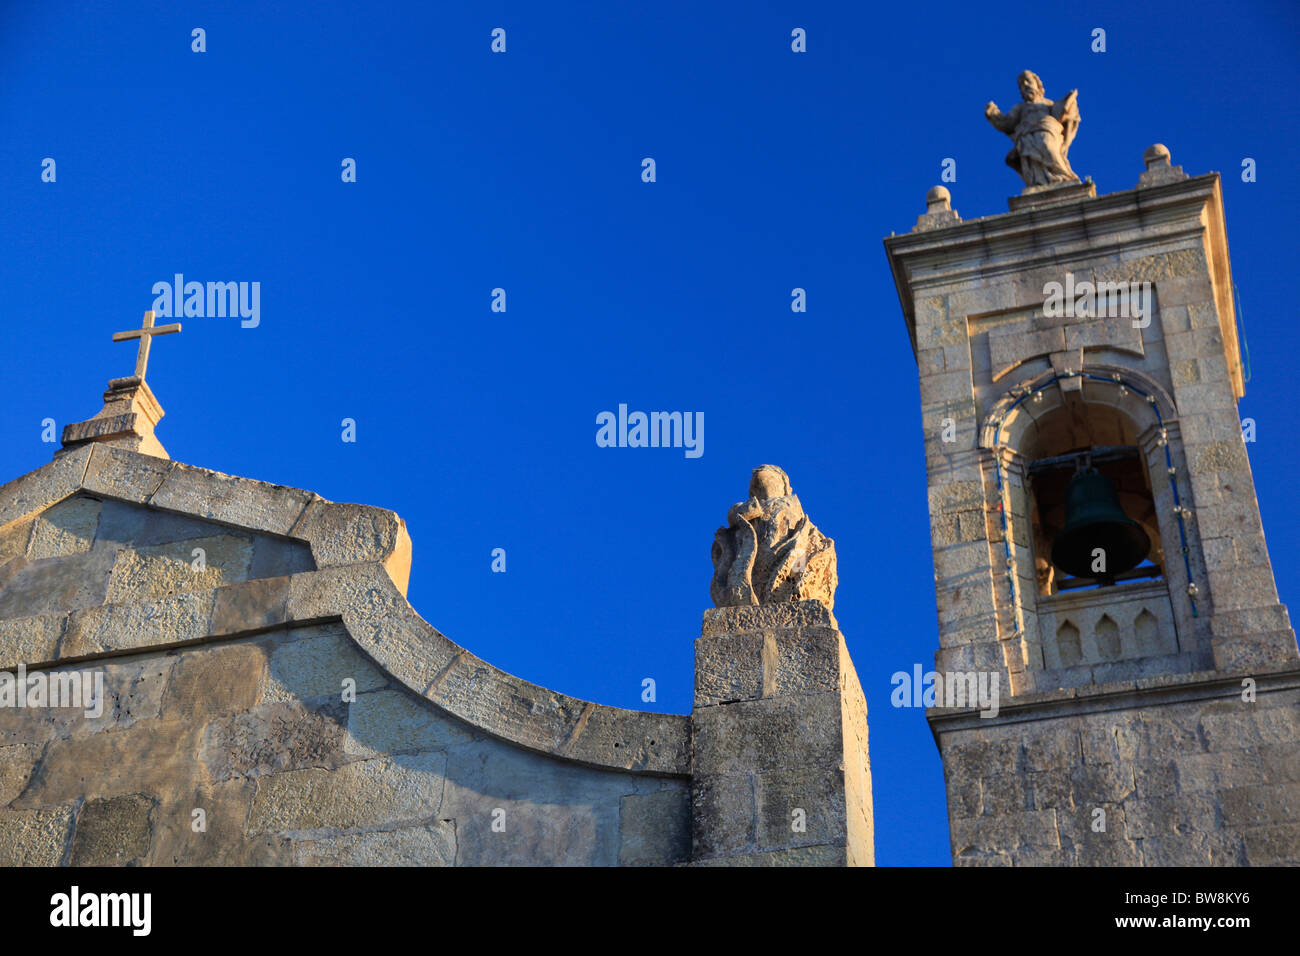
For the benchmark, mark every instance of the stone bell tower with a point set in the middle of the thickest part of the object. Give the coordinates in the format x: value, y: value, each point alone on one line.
x: 1149, y: 712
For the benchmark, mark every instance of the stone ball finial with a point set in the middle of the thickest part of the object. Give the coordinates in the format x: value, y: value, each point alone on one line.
x: 1156, y: 154
x: 1160, y: 169
x: 938, y: 199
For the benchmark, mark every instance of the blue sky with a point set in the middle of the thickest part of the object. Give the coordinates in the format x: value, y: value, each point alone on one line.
x: 522, y: 171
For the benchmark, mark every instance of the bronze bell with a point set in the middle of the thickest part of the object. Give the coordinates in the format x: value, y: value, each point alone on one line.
x: 1094, y: 519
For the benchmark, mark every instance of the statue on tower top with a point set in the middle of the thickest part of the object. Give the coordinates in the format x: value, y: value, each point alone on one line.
x: 1042, y: 132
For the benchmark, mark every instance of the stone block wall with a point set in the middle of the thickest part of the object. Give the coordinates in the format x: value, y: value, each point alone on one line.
x: 86, y: 551
x: 780, y: 772
x: 1185, y: 776
x: 247, y: 751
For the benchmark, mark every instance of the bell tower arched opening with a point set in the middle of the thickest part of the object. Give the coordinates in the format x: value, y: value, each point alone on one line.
x: 1062, y: 443
x: 1082, y: 456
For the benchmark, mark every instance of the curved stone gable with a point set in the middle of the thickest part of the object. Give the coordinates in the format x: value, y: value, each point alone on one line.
x: 363, y: 557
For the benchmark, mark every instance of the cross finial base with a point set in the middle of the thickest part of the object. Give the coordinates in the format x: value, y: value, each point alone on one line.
x: 127, y: 420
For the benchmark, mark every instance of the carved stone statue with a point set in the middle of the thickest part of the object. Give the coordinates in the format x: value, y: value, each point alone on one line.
x: 770, y: 552
x: 1042, y: 132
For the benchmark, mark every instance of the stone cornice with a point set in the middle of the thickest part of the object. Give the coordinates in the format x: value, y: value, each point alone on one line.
x: 1121, y: 696
x: 1147, y: 218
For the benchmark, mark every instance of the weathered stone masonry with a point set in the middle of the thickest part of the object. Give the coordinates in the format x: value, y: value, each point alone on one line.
x: 1130, y: 706
x: 225, y: 700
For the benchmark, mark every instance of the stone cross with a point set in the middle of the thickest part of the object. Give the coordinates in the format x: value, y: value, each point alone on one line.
x: 145, y: 334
